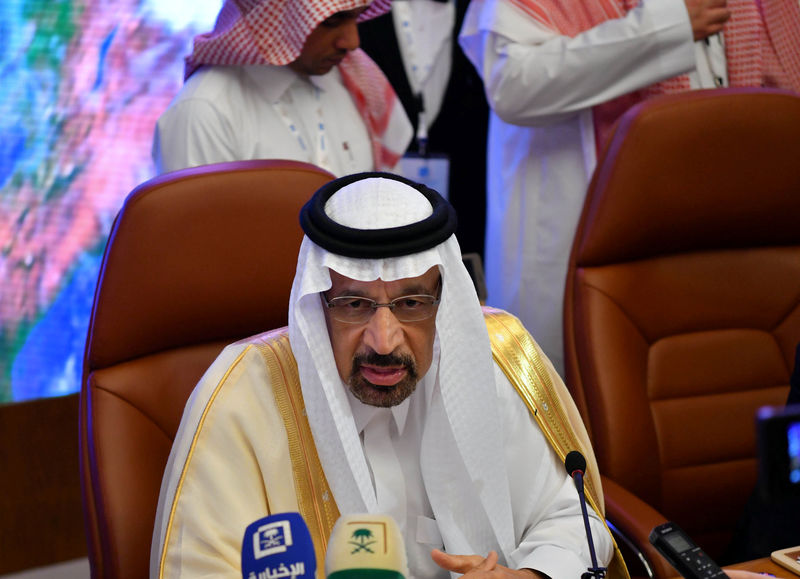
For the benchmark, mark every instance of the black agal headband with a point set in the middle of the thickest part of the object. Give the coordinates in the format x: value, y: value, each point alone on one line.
x: 376, y: 243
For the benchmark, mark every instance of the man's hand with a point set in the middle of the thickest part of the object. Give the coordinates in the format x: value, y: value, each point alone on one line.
x: 707, y: 16
x: 475, y: 566
x: 743, y: 574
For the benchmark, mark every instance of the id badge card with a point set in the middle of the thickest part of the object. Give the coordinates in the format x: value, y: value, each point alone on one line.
x: 432, y: 170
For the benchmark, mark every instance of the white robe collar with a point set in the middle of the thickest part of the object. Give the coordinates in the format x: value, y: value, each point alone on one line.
x: 363, y: 413
x: 274, y: 81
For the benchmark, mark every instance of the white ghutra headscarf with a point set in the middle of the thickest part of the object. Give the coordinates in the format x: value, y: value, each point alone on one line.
x: 461, y: 461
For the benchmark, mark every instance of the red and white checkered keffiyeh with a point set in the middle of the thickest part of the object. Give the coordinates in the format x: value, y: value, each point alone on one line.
x: 752, y: 59
x: 782, y: 19
x: 273, y: 32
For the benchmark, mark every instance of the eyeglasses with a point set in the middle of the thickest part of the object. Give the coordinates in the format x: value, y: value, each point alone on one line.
x: 358, y: 310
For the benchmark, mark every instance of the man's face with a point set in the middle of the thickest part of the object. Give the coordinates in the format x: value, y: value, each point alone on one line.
x: 329, y: 43
x: 382, y: 359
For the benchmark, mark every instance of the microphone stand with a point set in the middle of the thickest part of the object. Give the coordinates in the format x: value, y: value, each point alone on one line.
x: 594, y: 570
x: 575, y: 463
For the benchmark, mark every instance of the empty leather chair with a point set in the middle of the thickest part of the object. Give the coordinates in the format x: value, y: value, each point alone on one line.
x: 682, y: 307
x: 196, y: 259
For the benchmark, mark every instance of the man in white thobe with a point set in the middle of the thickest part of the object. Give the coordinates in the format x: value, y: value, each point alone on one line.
x: 281, y: 79
x: 388, y: 365
x: 557, y: 74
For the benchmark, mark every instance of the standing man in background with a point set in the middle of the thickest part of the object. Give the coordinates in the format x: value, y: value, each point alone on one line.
x: 557, y: 74
x: 284, y: 79
x: 415, y: 46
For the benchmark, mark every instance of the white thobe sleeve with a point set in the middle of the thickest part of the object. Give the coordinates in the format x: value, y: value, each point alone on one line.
x: 533, y: 76
x: 193, y: 133
x: 548, y: 524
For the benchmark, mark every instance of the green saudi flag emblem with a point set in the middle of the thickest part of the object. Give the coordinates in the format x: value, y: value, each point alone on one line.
x: 362, y: 539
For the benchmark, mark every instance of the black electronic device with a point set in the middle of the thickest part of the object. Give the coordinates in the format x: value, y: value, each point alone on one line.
x: 683, y: 554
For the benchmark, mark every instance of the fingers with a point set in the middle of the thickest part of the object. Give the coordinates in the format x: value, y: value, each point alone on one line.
x: 464, y: 563
x: 455, y: 563
x: 489, y: 563
x: 715, y: 20
x: 735, y: 574
x: 707, y: 17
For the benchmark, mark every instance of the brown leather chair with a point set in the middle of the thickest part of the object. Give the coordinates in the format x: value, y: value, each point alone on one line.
x: 196, y: 259
x: 682, y: 308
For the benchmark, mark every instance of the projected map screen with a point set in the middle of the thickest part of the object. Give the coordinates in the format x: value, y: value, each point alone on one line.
x: 83, y: 83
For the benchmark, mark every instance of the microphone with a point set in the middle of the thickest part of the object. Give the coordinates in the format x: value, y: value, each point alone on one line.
x: 575, y: 463
x: 366, y: 546
x: 278, y: 546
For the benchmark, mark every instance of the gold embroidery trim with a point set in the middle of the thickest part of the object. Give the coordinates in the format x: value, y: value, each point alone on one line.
x: 522, y: 365
x: 314, y: 497
x: 178, y: 489
x: 519, y: 357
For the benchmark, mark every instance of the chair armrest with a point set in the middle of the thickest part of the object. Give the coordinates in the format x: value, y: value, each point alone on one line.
x: 634, y: 519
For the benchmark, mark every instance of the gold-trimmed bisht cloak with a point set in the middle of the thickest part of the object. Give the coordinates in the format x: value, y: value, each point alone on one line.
x: 515, y: 352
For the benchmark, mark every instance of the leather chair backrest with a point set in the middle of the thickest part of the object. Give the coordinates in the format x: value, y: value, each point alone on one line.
x: 196, y: 259
x: 682, y: 309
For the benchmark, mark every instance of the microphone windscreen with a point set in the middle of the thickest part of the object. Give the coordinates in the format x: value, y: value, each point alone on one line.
x: 575, y: 462
x: 278, y: 546
x: 366, y: 546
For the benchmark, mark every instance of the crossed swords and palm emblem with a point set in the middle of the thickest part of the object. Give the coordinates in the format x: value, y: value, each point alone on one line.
x: 361, y: 539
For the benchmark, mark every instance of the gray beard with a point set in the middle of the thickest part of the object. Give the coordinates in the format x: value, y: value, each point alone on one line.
x: 383, y: 396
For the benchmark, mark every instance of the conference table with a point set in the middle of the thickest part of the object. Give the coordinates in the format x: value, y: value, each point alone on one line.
x: 765, y: 565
